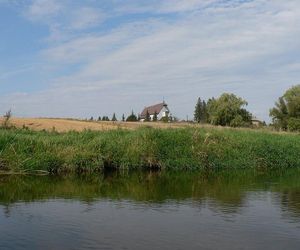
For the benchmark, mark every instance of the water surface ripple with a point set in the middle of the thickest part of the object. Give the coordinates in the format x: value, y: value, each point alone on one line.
x: 151, y: 211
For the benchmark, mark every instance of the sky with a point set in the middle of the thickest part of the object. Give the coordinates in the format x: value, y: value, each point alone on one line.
x: 83, y: 58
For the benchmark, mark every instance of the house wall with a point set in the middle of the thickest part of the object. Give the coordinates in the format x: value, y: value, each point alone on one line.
x: 163, y: 113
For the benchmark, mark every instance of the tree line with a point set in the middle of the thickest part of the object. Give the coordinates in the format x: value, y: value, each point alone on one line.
x: 227, y: 110
x: 131, y: 118
x: 230, y: 110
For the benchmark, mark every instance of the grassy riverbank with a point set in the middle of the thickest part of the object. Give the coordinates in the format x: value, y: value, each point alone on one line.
x: 178, y: 149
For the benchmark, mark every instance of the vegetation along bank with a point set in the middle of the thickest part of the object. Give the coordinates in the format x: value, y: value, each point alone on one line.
x: 28, y: 151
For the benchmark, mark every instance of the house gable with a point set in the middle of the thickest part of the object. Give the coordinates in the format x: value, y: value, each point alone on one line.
x: 161, y: 109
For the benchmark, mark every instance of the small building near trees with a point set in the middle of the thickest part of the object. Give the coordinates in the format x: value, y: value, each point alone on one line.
x: 159, y: 110
x: 256, y: 122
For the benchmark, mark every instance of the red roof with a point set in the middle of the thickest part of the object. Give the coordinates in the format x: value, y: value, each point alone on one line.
x: 152, y: 109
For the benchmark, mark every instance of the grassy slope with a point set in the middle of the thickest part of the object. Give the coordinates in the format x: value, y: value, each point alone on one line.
x: 182, y: 148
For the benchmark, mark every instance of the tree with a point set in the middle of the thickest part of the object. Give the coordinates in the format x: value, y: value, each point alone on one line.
x: 155, y: 118
x: 114, y: 118
x: 165, y: 118
x: 92, y: 118
x: 200, y: 113
x: 123, y: 118
x: 204, y: 116
x: 132, y: 117
x: 105, y: 118
x: 286, y: 113
x: 147, y: 118
x: 7, y: 117
x: 99, y: 118
x: 228, y: 110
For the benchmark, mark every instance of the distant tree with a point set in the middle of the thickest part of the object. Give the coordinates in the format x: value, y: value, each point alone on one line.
x: 105, y: 118
x: 7, y: 116
x: 92, y: 118
x: 200, y: 113
x: 99, y: 118
x: 123, y: 118
x: 132, y: 117
x: 114, y: 118
x: 165, y: 118
x: 228, y: 110
x: 147, y: 118
x: 204, y: 117
x: 286, y: 113
x: 155, y: 118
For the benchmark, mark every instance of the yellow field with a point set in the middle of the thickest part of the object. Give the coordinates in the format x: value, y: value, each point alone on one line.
x: 64, y: 125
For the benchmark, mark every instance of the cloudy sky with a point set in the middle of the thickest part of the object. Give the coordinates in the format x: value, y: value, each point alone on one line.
x: 82, y: 58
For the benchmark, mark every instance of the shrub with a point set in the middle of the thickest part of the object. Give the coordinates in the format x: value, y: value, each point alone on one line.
x: 294, y: 124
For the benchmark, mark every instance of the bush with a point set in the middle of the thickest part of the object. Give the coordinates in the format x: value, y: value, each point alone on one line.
x: 294, y: 124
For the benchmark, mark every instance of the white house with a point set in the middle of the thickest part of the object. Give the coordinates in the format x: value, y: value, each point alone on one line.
x: 161, y: 110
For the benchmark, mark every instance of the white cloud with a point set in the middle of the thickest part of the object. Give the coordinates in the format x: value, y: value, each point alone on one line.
x: 86, y: 17
x: 65, y: 18
x: 42, y: 9
x: 248, y: 48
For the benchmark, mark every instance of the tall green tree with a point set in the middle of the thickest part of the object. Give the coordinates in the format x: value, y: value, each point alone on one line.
x: 147, y: 118
x: 286, y: 113
x: 200, y: 113
x: 228, y: 110
x: 204, y: 116
x: 114, y: 118
x: 123, y: 118
x: 132, y: 117
x: 155, y: 118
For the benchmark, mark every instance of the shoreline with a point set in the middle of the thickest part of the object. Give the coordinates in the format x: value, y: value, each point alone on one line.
x: 209, y: 149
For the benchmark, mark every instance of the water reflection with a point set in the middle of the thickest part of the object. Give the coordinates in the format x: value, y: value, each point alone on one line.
x: 151, y: 210
x: 226, y: 191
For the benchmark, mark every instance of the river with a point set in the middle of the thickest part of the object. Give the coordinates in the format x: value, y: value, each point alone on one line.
x: 151, y: 210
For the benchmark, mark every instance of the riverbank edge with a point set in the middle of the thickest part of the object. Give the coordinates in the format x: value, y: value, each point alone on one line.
x: 209, y: 149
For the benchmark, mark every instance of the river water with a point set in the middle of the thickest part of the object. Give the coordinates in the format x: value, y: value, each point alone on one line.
x: 153, y: 210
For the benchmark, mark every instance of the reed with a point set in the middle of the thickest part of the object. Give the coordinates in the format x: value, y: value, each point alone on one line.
x: 26, y: 151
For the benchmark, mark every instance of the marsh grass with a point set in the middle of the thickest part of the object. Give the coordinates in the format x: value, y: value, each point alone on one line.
x: 206, y: 149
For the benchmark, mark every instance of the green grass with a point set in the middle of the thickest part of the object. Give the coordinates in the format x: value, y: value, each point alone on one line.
x: 176, y: 149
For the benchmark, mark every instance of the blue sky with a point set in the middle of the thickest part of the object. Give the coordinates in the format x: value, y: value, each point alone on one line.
x: 72, y: 58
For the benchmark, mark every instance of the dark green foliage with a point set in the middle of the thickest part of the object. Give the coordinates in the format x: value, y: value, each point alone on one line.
x: 294, y: 124
x: 204, y: 115
x: 200, y: 113
x: 92, y: 118
x: 123, y: 118
x: 99, y: 118
x: 186, y: 148
x: 132, y: 117
x: 165, y: 118
x: 155, y: 118
x: 114, y: 118
x: 147, y: 118
x: 227, y: 110
x: 286, y: 112
x: 105, y: 118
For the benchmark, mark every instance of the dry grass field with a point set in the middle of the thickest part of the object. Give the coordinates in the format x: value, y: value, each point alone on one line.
x: 64, y: 125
